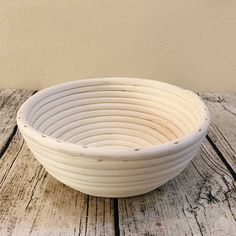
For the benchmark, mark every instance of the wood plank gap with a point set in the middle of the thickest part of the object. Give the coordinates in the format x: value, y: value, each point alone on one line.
x: 87, y: 215
x: 116, y: 217
x: 221, y: 156
x: 6, y: 145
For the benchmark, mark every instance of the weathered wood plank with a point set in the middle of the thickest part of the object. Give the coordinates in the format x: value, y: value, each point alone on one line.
x: 34, y: 203
x: 200, y: 201
x: 10, y: 101
x: 222, y: 131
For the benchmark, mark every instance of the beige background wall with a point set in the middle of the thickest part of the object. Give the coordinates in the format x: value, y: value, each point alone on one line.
x: 191, y: 43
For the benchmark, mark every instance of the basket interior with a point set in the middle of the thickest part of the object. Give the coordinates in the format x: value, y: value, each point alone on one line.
x: 109, y: 113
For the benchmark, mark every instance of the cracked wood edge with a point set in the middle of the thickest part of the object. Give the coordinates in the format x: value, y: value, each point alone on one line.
x: 222, y: 132
x: 200, y: 201
x: 34, y: 203
x: 10, y: 101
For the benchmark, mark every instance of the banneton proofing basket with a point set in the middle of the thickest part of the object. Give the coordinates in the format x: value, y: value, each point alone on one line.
x: 114, y: 137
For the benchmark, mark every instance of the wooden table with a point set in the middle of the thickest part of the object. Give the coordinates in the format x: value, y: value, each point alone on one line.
x: 200, y: 201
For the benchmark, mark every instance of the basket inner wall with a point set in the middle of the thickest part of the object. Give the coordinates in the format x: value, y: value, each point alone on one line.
x: 116, y: 115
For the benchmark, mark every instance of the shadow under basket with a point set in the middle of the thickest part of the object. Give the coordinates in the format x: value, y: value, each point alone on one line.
x: 114, y: 137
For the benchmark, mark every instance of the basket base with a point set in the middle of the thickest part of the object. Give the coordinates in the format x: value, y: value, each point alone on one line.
x: 113, y: 194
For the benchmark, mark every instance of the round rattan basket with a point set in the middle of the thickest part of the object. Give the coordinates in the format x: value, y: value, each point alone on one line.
x: 114, y: 137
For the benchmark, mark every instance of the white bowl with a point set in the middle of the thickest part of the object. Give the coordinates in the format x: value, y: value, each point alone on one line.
x: 114, y: 137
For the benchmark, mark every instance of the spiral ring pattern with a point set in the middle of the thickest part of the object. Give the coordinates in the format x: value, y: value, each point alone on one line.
x: 114, y: 137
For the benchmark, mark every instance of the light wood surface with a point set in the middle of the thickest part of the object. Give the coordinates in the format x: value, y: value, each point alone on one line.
x: 10, y: 101
x: 223, y: 125
x: 200, y: 201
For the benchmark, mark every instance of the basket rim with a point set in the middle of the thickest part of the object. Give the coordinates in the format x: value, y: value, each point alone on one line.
x: 51, y: 143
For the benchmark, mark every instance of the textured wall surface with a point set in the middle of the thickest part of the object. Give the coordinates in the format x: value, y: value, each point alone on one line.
x: 190, y: 43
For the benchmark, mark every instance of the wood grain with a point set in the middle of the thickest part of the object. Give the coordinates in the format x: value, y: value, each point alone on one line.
x: 222, y: 131
x: 10, y: 101
x: 34, y: 203
x: 200, y: 201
